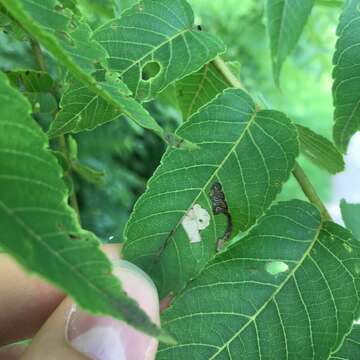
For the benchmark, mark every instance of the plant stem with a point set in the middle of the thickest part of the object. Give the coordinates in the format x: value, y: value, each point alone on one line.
x: 61, y: 139
x: 39, y: 57
x: 298, y: 172
x: 227, y: 73
x: 310, y: 191
x: 72, y: 197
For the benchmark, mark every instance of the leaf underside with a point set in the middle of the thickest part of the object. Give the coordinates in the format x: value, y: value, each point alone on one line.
x: 82, y: 109
x: 320, y: 150
x: 286, y: 21
x: 350, y: 349
x: 166, y: 30
x: 71, y: 43
x: 160, y: 33
x: 284, y: 291
x: 199, y: 88
x: 250, y: 153
x: 38, y: 227
x: 346, y: 74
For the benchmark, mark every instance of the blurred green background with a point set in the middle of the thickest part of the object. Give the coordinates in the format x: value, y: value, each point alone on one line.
x: 128, y: 155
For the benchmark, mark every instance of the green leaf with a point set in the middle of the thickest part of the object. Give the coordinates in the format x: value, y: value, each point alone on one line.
x: 40, y: 230
x: 82, y: 109
x: 351, y: 216
x: 320, y: 150
x: 89, y: 174
x: 8, y: 26
x: 71, y: 4
x: 121, y: 5
x: 75, y: 49
x: 52, y: 20
x: 168, y: 97
x: 301, y: 312
x: 73, y: 148
x: 31, y: 80
x: 346, y: 74
x: 330, y: 3
x: 199, y: 88
x: 350, y: 349
x: 155, y: 43
x: 62, y: 160
x: 286, y: 21
x: 38, y: 87
x: 250, y: 153
x: 93, y: 9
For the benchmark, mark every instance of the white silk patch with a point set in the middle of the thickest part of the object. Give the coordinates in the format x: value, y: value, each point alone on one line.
x: 195, y: 220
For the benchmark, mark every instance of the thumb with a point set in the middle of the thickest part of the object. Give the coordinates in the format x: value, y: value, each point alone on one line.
x: 72, y: 334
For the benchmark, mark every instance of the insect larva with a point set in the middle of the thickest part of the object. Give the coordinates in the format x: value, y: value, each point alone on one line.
x: 220, y: 206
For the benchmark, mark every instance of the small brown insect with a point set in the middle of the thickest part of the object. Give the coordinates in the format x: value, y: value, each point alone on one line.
x: 220, y: 206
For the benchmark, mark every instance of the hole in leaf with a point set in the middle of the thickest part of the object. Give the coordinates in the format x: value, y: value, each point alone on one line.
x: 37, y: 107
x: 74, y: 236
x: 276, y: 267
x: 59, y: 7
x: 150, y: 70
x: 195, y: 220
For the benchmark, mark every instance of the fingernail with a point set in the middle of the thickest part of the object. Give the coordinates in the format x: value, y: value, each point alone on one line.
x: 103, y: 338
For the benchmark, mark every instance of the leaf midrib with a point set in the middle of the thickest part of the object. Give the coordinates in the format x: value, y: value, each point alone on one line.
x: 236, y: 144
x: 253, y: 318
x: 59, y: 130
x: 200, y: 87
x: 153, y: 49
x: 283, y: 11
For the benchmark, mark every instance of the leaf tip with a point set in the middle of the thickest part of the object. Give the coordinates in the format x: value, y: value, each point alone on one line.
x: 276, y: 76
x: 178, y: 142
x: 166, y: 338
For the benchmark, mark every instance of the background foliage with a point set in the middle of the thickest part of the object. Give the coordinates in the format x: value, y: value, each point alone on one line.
x: 137, y: 154
x: 81, y: 80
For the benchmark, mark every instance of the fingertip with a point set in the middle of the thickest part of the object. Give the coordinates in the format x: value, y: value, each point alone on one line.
x: 103, y: 338
x: 70, y: 331
x: 13, y: 351
x: 112, y: 251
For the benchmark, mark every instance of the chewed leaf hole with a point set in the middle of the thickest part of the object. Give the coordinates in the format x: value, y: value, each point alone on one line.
x: 59, y: 7
x: 195, y: 220
x: 276, y: 267
x: 150, y: 70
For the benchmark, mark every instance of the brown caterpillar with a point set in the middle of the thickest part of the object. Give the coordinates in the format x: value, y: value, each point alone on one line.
x: 220, y: 206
